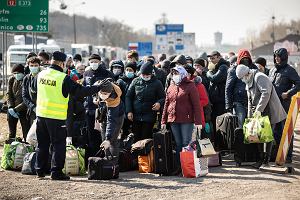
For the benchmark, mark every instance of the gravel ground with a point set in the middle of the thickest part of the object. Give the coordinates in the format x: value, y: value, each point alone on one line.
x: 226, y: 182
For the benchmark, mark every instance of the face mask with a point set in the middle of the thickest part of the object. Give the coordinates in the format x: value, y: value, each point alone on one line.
x: 146, y: 78
x: 129, y: 74
x: 104, y: 96
x: 190, y: 64
x: 176, y: 79
x: 19, y: 76
x: 246, y: 79
x: 34, y: 70
x: 94, y: 66
x: 117, y: 72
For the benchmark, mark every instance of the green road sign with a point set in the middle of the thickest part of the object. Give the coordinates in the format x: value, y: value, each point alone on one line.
x: 24, y: 15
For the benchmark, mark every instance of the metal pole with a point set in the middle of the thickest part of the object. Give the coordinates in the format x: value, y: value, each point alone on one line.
x: 5, y: 61
x: 35, y: 39
x: 32, y: 41
x: 3, y: 71
x: 74, y: 25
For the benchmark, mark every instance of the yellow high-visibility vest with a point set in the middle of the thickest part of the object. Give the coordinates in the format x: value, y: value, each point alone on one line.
x: 50, y: 101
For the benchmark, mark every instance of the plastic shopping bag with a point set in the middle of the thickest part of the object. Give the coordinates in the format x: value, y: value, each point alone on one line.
x: 257, y: 130
x: 74, y: 163
x: 31, y: 136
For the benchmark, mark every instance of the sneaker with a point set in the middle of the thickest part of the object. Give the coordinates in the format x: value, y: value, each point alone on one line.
x: 257, y: 165
x: 59, y: 176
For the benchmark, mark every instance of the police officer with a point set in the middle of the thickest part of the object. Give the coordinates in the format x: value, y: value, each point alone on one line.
x: 53, y: 89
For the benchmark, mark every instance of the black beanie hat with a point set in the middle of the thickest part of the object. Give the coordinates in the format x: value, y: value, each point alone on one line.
x: 261, y: 60
x: 77, y: 57
x: 59, y: 56
x: 146, y: 68
x: 132, y: 65
x: 107, y: 88
x: 190, y: 69
x: 95, y: 56
x: 17, y: 68
x: 200, y: 61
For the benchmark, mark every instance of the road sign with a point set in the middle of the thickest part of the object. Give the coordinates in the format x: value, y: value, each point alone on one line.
x: 143, y: 48
x: 24, y: 15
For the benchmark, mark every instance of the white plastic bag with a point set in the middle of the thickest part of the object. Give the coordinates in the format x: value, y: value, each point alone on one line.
x: 31, y: 136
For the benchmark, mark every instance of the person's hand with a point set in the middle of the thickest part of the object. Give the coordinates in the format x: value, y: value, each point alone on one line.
x: 156, y: 106
x: 105, y: 144
x: 130, y: 116
x: 163, y: 127
x: 199, y: 127
x: 69, y: 140
x: 284, y: 95
x: 257, y: 114
x: 12, y: 112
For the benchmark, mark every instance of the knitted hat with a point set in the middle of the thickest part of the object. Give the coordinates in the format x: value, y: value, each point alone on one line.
x: 200, y: 61
x: 241, y: 71
x: 17, y: 68
x: 59, y: 56
x: 108, y: 87
x: 77, y: 57
x: 261, y: 61
x: 132, y: 65
x: 146, y: 68
x: 95, y: 56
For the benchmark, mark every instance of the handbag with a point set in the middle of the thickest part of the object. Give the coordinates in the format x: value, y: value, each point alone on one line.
x: 104, y: 167
x: 206, y: 147
x: 257, y: 130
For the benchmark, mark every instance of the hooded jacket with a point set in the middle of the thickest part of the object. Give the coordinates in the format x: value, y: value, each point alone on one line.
x: 235, y: 88
x: 284, y: 78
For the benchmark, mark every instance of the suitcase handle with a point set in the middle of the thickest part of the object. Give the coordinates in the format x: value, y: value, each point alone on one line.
x: 105, y: 152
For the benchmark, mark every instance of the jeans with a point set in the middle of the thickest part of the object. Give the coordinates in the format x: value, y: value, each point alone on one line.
x: 182, y: 133
x: 241, y: 112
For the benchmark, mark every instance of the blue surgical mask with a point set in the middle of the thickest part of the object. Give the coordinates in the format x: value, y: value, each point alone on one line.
x: 34, y: 69
x: 129, y: 74
x: 19, y: 76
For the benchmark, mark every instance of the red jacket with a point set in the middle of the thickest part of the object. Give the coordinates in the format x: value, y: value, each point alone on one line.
x: 182, y: 104
x: 203, y: 100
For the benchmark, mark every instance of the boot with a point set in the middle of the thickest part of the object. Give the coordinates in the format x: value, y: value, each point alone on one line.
x: 267, y: 156
x: 260, y: 161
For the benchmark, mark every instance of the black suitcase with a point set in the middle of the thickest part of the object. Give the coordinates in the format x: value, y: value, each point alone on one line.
x: 225, y: 126
x: 104, y: 167
x: 244, y: 152
x: 163, y: 153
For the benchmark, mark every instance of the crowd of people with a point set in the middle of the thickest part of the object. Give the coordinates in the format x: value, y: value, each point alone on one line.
x: 179, y: 93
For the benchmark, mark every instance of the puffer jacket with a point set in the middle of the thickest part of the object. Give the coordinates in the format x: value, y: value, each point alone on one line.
x: 284, y: 78
x: 141, y: 96
x: 29, y: 89
x: 182, y: 104
x: 217, y: 78
x: 14, y: 95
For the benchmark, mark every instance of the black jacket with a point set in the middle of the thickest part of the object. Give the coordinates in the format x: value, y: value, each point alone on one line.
x: 285, y: 79
x: 89, y: 78
x: 217, y: 78
x: 235, y: 89
x: 160, y: 75
x: 123, y: 82
x: 141, y: 96
x: 29, y: 91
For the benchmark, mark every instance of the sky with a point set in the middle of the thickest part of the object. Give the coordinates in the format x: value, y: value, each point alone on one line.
x: 234, y: 18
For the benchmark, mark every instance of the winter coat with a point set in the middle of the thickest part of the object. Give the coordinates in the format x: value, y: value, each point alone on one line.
x: 182, y: 104
x: 141, y: 96
x: 89, y: 78
x: 160, y: 75
x: 263, y: 97
x: 14, y: 95
x: 123, y: 82
x: 217, y: 78
x: 29, y: 89
x: 285, y: 79
x: 203, y: 98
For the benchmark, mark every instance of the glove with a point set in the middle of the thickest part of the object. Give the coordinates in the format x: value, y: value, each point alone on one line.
x: 257, y: 114
x: 69, y: 140
x: 163, y: 127
x: 12, y: 112
x: 103, y: 82
x: 105, y: 144
x: 199, y: 127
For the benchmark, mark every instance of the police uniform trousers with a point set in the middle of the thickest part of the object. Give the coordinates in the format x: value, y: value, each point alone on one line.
x: 50, y: 131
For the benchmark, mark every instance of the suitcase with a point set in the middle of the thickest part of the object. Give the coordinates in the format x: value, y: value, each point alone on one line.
x: 104, y: 167
x: 225, y: 126
x: 244, y: 152
x: 215, y: 160
x: 127, y: 161
x: 163, y: 153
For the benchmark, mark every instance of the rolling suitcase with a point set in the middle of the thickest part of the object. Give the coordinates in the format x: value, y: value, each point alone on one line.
x: 225, y: 126
x: 244, y: 152
x: 163, y: 152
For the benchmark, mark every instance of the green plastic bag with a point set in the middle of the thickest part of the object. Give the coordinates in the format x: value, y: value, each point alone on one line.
x: 13, y: 155
x: 74, y: 163
x: 257, y: 130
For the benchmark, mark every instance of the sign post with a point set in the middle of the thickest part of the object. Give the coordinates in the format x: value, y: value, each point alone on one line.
x: 24, y: 15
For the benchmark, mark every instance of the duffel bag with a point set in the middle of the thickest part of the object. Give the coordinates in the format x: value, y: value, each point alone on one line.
x: 29, y: 163
x: 142, y: 147
x: 104, y: 167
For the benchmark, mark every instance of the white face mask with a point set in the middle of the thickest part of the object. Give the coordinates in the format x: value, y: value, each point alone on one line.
x: 146, y: 78
x: 104, y: 96
x: 94, y: 66
x: 117, y: 71
x: 176, y: 79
